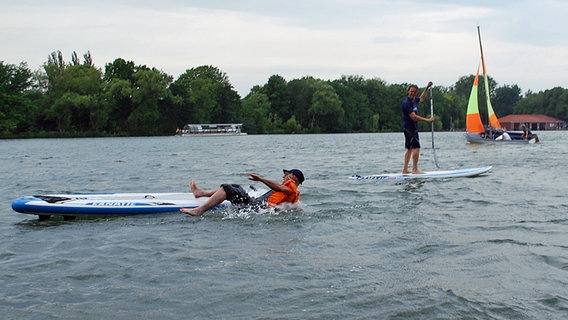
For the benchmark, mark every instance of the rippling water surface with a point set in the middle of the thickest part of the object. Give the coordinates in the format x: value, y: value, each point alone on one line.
x: 490, y: 247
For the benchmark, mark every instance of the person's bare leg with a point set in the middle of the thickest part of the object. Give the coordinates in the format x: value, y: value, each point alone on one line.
x: 198, y: 192
x: 216, y: 198
x: 415, y: 157
x: 406, y: 161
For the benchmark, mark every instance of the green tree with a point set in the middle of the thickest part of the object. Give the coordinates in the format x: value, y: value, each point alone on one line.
x: 325, y: 110
x: 207, y: 96
x: 139, y: 100
x: 276, y: 89
x: 119, y: 84
x: 555, y: 102
x: 552, y: 102
x: 358, y: 116
x: 120, y: 69
x: 75, y: 95
x: 255, y: 113
x: 117, y: 99
x: 449, y: 111
x: 292, y: 125
x: 506, y: 98
x: 16, y: 108
x: 150, y: 93
x: 386, y: 101
x: 300, y: 101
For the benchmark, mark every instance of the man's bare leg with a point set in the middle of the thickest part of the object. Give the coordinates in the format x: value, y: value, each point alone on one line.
x: 198, y: 192
x: 415, y: 157
x: 216, y: 197
x: 407, y: 155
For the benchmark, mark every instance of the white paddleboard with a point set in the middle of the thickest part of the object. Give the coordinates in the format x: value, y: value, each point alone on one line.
x: 469, y: 172
x: 105, y: 204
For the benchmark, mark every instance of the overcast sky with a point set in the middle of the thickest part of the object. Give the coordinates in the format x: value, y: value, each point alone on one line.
x: 525, y: 41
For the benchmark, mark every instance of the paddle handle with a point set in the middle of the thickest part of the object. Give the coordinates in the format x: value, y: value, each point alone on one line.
x: 432, y: 125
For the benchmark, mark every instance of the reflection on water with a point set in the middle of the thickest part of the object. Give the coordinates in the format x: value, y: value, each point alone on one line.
x: 411, y: 185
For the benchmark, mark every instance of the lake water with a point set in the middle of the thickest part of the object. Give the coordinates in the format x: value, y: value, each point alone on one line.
x: 490, y: 247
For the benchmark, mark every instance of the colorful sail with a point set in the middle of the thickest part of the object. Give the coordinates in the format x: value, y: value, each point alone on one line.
x: 473, y: 122
x: 493, y: 120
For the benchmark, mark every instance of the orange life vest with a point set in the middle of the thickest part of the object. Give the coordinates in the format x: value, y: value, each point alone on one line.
x: 281, y: 197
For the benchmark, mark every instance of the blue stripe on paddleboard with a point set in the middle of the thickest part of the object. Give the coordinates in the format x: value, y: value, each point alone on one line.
x: 25, y: 206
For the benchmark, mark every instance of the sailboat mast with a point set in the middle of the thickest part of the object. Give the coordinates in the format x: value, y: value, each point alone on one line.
x: 481, y: 50
x: 493, y: 120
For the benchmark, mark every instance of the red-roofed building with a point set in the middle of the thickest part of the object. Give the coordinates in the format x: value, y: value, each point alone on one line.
x: 513, y: 122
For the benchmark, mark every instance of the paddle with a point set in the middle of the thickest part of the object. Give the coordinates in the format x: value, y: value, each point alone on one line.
x: 432, y: 114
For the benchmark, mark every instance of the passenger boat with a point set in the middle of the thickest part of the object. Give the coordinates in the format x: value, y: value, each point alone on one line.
x: 212, y: 129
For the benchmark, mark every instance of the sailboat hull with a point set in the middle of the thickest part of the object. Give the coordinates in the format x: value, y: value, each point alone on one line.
x: 491, y: 137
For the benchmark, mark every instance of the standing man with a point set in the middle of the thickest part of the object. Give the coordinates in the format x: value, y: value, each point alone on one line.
x: 410, y: 120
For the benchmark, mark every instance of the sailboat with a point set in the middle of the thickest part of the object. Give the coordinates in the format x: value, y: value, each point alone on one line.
x: 494, y: 133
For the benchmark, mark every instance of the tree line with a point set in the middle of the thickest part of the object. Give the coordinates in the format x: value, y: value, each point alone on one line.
x: 69, y: 99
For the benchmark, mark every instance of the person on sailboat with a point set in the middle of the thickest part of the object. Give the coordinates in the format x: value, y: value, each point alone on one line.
x: 504, y: 136
x: 410, y: 120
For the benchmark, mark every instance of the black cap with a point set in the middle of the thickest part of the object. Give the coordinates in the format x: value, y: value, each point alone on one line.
x: 297, y: 173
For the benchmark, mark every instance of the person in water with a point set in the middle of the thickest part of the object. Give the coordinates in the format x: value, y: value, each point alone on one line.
x: 410, y: 120
x: 285, y: 192
x: 527, y: 134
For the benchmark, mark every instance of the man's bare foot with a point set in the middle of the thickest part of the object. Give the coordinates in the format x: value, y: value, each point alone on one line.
x: 192, y: 212
x: 417, y: 171
x: 197, y: 192
x: 406, y: 172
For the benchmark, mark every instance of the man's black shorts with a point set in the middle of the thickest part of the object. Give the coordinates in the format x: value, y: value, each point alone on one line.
x: 236, y: 194
x: 411, y: 140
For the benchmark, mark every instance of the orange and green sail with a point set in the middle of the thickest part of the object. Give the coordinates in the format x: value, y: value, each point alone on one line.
x: 493, y: 120
x: 473, y: 122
